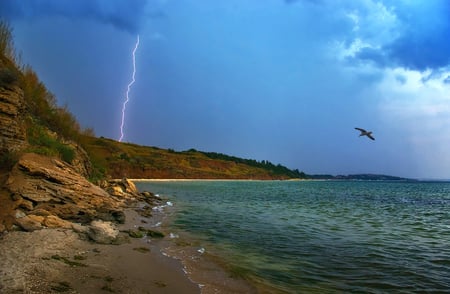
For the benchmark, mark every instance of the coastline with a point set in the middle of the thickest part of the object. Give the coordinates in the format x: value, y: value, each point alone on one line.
x: 212, y: 180
x: 58, y: 260
x: 62, y: 261
x: 203, y: 267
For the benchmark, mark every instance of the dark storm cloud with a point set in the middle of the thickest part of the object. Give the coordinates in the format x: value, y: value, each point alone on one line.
x: 124, y: 15
x: 430, y: 52
x: 424, y: 39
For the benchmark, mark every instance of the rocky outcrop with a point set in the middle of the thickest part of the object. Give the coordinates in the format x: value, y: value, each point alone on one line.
x: 12, y: 129
x: 46, y: 190
x: 120, y: 187
x: 81, y: 162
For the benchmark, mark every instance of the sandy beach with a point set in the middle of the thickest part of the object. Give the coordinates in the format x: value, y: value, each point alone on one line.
x: 60, y: 261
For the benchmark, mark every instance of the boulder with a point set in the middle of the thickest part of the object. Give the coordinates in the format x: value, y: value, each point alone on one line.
x: 129, y: 186
x: 30, y: 222
x: 115, y: 191
x: 52, y: 221
x: 121, y: 188
x: 103, y: 232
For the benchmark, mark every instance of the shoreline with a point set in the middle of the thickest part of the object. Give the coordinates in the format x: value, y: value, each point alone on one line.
x: 58, y: 260
x: 214, y: 180
x: 202, y: 266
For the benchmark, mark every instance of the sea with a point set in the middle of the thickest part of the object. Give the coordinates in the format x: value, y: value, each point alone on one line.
x: 319, y: 236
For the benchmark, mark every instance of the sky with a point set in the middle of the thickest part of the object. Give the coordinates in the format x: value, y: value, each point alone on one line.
x: 279, y: 80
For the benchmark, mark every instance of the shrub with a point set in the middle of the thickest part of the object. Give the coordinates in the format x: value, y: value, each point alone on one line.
x: 43, y: 143
x: 8, y: 77
x: 66, y: 152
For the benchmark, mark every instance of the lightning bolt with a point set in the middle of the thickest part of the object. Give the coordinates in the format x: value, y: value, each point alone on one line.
x: 127, y: 96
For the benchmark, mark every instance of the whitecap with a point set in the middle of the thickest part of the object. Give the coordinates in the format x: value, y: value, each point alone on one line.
x: 169, y: 203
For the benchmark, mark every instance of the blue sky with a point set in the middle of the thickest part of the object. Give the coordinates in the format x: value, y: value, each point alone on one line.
x: 284, y: 81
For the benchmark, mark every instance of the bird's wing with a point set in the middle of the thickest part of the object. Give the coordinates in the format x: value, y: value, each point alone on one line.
x: 370, y: 136
x: 361, y: 130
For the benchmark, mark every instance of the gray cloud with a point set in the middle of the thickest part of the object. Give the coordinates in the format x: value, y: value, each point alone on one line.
x: 124, y: 15
x: 423, y: 42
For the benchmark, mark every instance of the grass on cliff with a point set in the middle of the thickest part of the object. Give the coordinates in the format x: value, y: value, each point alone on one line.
x: 48, y: 125
x: 42, y: 142
x: 117, y: 160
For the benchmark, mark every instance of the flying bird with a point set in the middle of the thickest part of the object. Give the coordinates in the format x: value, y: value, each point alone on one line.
x: 365, y: 133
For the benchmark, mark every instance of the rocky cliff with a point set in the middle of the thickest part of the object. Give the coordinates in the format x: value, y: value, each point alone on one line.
x: 44, y: 191
x: 47, y: 192
x: 12, y: 128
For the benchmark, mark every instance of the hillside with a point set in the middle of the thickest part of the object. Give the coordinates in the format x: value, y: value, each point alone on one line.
x: 117, y: 160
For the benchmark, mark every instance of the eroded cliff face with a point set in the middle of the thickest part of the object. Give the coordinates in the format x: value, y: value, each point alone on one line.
x: 12, y: 127
x: 47, y: 192
x: 43, y: 191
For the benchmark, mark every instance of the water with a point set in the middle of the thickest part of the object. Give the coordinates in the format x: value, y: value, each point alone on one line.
x: 321, y: 236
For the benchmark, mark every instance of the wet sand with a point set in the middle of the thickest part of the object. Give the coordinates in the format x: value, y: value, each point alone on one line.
x: 59, y: 261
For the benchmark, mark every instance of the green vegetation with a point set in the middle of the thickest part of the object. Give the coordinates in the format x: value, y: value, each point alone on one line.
x: 264, y: 164
x: 42, y: 142
x: 48, y: 125
x: 7, y: 50
x: 68, y: 261
x: 117, y: 160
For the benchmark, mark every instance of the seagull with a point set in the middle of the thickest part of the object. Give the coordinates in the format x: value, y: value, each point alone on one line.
x: 365, y: 133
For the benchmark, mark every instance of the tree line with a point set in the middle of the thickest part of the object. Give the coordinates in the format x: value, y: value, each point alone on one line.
x: 277, y: 169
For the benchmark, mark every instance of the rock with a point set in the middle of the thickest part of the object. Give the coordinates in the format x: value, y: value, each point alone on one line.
x: 12, y: 127
x: 81, y: 162
x: 103, y: 232
x: 79, y: 228
x: 115, y: 191
x: 26, y: 204
x: 19, y: 214
x: 113, y: 216
x: 41, y: 212
x: 16, y: 197
x: 53, y: 186
x: 149, y: 195
x: 129, y: 186
x: 52, y: 221
x: 30, y: 222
